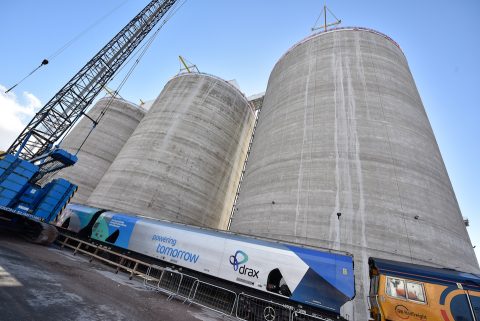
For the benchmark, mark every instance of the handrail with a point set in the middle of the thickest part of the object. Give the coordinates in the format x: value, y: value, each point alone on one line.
x: 378, y: 305
x: 340, y: 29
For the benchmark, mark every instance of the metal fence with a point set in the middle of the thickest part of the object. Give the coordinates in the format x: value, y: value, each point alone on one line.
x: 246, y: 307
x: 214, y: 297
x: 187, y: 286
x: 251, y: 308
x: 178, y: 284
x: 170, y: 282
x: 191, y: 289
x: 152, y: 277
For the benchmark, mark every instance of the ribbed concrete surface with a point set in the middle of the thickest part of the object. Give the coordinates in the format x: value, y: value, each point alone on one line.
x: 343, y: 130
x: 103, y: 145
x: 184, y: 160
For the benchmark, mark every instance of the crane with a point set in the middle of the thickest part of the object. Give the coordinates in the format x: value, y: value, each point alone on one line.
x: 69, y: 104
x: 26, y: 206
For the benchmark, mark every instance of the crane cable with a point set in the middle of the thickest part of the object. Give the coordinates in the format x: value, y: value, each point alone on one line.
x: 66, y: 45
x: 140, y: 52
x: 74, y: 39
x: 44, y: 62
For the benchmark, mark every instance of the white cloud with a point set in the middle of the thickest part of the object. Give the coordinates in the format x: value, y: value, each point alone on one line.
x: 15, y: 114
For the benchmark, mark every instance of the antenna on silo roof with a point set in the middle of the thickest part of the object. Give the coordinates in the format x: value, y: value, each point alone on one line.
x: 112, y: 93
x: 325, y: 24
x: 187, y: 66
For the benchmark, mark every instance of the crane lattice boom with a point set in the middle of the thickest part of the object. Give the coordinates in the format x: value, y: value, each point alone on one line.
x: 69, y: 104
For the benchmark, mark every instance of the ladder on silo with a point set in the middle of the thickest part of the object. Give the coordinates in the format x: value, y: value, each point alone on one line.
x: 244, y: 166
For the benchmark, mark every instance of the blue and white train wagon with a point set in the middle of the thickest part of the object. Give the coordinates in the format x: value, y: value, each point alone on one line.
x: 319, y: 278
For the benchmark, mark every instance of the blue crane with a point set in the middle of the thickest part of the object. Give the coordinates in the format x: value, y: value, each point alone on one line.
x: 25, y: 206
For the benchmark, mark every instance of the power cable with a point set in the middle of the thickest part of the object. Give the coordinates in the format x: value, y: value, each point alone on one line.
x: 44, y: 62
x: 333, y: 14
x: 140, y: 52
x: 66, y: 45
x: 318, y: 18
x: 94, y: 24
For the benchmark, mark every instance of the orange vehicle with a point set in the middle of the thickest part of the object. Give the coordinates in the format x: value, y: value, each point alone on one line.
x: 402, y: 291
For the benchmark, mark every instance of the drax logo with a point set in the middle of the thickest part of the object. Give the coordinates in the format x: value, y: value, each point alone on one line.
x: 235, y: 261
x: 240, y: 258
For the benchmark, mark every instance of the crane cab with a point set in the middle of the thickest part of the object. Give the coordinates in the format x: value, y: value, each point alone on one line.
x: 401, y: 291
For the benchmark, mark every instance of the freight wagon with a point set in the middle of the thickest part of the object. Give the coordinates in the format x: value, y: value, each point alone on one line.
x: 319, y: 281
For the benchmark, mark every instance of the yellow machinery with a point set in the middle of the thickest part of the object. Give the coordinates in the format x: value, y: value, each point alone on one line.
x: 401, y: 291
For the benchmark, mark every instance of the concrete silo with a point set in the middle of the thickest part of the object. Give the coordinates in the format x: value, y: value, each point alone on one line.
x: 102, y: 146
x: 184, y: 160
x: 344, y: 157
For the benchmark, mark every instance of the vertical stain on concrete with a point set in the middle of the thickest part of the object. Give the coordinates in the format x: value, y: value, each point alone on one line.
x: 334, y: 220
x: 300, y: 192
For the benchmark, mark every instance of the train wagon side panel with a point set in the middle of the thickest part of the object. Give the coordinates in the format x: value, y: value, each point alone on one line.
x: 76, y: 217
x: 320, y: 279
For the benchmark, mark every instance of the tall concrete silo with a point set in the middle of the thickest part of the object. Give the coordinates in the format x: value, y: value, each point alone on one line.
x: 344, y: 157
x: 184, y: 160
x: 102, y: 146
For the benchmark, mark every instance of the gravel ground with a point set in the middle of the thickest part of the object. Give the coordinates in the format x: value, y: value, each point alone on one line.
x: 49, y: 283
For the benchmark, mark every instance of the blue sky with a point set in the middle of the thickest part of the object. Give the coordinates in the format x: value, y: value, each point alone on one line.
x: 242, y: 40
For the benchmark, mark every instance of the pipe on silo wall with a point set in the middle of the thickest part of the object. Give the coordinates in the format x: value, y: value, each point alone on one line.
x: 102, y: 146
x: 343, y: 130
x: 184, y: 160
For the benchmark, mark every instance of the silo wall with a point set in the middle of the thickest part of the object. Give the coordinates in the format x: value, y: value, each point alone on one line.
x: 343, y: 130
x: 184, y: 160
x: 102, y: 146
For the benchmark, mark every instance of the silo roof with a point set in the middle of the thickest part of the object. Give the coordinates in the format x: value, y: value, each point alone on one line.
x: 219, y: 79
x: 315, y: 35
